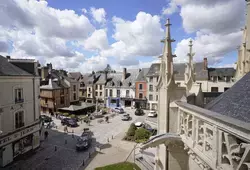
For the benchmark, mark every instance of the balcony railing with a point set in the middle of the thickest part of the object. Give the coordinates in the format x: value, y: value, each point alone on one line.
x: 19, y: 100
x: 213, y: 140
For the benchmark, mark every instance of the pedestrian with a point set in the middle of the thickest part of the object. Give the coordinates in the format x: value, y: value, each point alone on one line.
x: 46, y: 134
x: 56, y: 114
x: 66, y: 129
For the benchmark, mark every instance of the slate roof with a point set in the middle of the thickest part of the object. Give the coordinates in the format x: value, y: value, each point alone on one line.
x: 8, y: 69
x: 116, y: 79
x: 221, y: 72
x: 179, y: 69
x: 52, y: 85
x: 84, y: 79
x: 75, y: 75
x: 235, y: 102
x: 142, y: 75
x: 101, y: 79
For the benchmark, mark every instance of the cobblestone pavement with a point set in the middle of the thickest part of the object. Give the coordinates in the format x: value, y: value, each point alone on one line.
x: 65, y: 157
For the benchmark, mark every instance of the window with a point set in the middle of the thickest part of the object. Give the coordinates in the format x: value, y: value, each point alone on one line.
x: 140, y: 86
x: 66, y: 91
x: 82, y: 85
x: 106, y: 92
x: 88, y: 95
x: 156, y: 98
x: 62, y: 100
x: 140, y: 95
x: 61, y: 92
x: 74, y: 87
x: 100, y: 93
x: 226, y: 88
x: 74, y: 96
x: 96, y: 93
x: 157, y: 78
x: 90, y: 90
x: 118, y: 93
x: 19, y: 119
x: 150, y: 79
x: 46, y: 101
x: 96, y: 86
x: 214, y: 89
x: 127, y: 93
x: 100, y: 87
x: 214, y: 78
x: 150, y: 97
x: 110, y: 93
x: 150, y: 87
x: 227, y: 78
x: 178, y: 84
x: 19, y: 95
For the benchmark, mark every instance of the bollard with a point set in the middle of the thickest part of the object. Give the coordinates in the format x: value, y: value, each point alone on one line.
x: 65, y: 142
x: 55, y: 148
x: 72, y: 130
x: 89, y: 155
x: 112, y: 137
x: 107, y: 139
x: 73, y: 136
x: 83, y: 163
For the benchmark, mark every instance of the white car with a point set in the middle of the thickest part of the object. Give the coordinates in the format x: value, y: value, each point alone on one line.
x: 152, y: 114
x: 138, y: 124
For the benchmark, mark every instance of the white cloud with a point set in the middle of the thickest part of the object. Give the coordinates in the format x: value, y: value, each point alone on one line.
x: 172, y: 8
x: 84, y: 11
x: 140, y: 37
x: 217, y: 31
x: 95, y: 63
x: 213, y: 46
x: 98, y: 14
x: 98, y: 40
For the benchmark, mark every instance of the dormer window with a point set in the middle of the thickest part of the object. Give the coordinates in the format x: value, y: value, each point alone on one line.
x: 129, y: 83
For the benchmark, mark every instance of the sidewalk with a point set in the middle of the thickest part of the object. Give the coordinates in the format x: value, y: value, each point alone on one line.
x: 116, y: 151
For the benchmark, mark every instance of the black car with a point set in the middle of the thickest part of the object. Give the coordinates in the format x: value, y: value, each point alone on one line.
x: 84, y: 141
x: 139, y: 112
x: 69, y: 122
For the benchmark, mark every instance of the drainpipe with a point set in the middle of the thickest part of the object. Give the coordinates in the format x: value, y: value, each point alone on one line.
x: 34, y: 98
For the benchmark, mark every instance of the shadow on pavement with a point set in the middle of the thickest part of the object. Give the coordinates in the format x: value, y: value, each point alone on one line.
x: 57, y: 152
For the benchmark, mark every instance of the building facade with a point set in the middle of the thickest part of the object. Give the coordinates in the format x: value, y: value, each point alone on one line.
x: 120, y: 89
x: 19, y: 108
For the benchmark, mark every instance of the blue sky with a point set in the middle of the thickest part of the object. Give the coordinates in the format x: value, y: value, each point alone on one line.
x: 121, y: 33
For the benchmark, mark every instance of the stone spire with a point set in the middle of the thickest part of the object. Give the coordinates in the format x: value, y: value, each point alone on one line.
x: 167, y: 69
x: 190, y: 69
x: 243, y: 63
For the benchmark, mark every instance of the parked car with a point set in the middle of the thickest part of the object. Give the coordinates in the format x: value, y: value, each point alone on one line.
x: 119, y: 110
x: 126, y: 117
x: 69, y: 122
x: 152, y: 113
x: 46, y: 119
x: 138, y: 124
x: 84, y: 141
x: 139, y: 112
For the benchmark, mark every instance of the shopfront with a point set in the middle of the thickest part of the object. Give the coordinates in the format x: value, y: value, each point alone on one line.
x: 19, y: 143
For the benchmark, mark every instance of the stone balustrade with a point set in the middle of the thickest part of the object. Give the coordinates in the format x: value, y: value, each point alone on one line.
x: 212, y: 140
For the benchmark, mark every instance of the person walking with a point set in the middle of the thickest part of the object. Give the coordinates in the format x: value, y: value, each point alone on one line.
x: 66, y: 129
x: 46, y: 134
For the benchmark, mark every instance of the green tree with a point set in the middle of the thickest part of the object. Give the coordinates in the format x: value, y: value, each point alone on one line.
x: 142, y: 134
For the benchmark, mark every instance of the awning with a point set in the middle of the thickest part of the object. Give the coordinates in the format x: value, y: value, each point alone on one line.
x: 161, y: 139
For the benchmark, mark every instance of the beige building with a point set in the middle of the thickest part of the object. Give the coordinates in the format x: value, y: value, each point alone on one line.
x: 191, y: 137
x: 19, y: 108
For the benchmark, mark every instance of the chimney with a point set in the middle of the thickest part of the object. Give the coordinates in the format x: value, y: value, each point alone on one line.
x: 124, y: 73
x: 205, y: 63
x: 106, y: 76
x: 8, y: 57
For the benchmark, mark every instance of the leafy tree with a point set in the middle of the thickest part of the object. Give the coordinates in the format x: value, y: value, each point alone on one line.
x: 142, y: 134
x: 131, y: 130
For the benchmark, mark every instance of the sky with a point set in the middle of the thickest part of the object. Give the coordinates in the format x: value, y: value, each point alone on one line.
x: 86, y: 35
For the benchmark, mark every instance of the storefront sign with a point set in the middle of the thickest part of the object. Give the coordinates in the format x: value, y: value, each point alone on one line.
x: 20, y: 134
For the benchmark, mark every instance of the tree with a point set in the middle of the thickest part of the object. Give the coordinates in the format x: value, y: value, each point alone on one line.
x: 142, y: 134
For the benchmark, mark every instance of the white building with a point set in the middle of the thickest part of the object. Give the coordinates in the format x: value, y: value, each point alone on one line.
x: 121, y: 88
x: 19, y: 108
